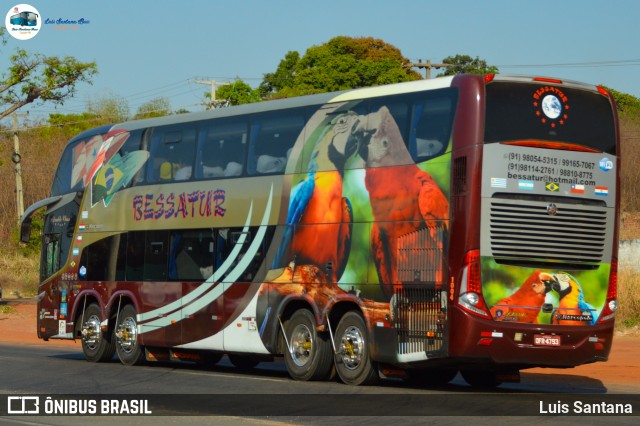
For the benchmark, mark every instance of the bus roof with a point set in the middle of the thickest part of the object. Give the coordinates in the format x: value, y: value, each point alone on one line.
x: 300, y: 101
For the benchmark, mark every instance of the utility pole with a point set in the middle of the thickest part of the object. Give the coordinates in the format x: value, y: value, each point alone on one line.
x: 428, y: 65
x: 213, y: 103
x: 16, y: 158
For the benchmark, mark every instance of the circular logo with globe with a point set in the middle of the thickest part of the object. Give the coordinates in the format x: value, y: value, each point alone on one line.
x: 551, y: 106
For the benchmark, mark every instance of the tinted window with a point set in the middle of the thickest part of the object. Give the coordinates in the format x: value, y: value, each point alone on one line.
x: 222, y: 146
x: 172, y: 153
x: 518, y: 111
x: 272, y: 138
x: 191, y: 255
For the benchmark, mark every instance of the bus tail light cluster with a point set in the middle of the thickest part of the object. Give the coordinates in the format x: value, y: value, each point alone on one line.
x: 611, y: 306
x: 470, y: 298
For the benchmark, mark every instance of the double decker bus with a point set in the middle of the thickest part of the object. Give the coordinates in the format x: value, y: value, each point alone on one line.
x: 462, y: 224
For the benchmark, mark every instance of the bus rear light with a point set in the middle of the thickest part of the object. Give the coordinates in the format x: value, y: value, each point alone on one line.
x: 611, y: 306
x: 488, y: 78
x: 470, y: 298
x: 603, y: 91
x: 547, y: 80
x: 485, y: 342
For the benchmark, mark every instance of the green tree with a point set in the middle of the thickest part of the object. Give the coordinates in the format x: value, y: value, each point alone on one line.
x: 627, y: 104
x: 157, y: 107
x: 237, y: 93
x: 35, y: 77
x: 112, y: 108
x: 341, y: 63
x: 465, y: 64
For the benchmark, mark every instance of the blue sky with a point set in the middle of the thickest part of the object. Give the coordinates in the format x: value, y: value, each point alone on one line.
x: 146, y: 49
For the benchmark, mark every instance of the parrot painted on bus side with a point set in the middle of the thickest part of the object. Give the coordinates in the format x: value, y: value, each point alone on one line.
x: 403, y: 197
x: 318, y: 201
x: 524, y: 305
x: 572, y: 301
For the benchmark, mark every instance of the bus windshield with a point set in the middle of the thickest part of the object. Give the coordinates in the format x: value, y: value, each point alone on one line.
x: 522, y: 111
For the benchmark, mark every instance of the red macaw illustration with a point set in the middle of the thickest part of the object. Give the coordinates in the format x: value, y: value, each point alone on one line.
x: 318, y: 201
x: 524, y: 305
x: 403, y: 197
x: 572, y: 303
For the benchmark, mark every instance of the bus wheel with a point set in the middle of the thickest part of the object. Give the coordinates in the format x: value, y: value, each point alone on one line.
x: 129, y: 349
x: 96, y: 345
x: 431, y: 376
x: 481, y: 378
x: 308, y: 356
x: 352, y: 359
x: 244, y: 362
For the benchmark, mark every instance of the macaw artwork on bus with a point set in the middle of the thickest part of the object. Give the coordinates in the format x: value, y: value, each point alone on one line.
x: 355, y: 215
x: 544, y: 297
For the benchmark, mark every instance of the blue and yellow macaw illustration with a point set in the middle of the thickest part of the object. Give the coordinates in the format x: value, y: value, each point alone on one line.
x: 572, y: 308
x: 319, y: 219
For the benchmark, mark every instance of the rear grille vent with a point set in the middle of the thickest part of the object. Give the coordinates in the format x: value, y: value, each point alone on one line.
x: 521, y: 229
x: 420, y: 319
x: 459, y: 176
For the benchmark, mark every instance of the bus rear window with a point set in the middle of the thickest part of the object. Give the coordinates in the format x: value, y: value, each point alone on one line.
x: 521, y: 111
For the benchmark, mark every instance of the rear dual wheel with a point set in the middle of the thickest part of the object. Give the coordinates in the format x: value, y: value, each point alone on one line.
x: 353, y: 363
x: 128, y: 347
x: 308, y: 355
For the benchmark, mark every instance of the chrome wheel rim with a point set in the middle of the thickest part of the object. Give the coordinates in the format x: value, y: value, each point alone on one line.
x: 352, y: 346
x: 301, y: 345
x: 127, y: 335
x: 91, y: 333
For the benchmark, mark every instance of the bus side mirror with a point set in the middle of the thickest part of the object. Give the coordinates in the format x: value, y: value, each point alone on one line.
x: 25, y: 230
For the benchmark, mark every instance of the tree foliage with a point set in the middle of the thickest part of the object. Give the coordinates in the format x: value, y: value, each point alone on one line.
x: 157, y: 107
x: 238, y: 93
x: 112, y: 108
x: 465, y: 64
x: 35, y: 77
x: 339, y: 64
x: 627, y: 104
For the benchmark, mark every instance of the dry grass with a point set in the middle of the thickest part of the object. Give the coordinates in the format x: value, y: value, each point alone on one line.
x: 628, y: 316
x: 20, y: 274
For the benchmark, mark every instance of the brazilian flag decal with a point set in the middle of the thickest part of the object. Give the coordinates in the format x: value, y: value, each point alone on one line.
x: 552, y: 186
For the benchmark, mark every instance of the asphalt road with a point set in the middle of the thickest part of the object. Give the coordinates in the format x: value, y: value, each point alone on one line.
x: 266, y: 395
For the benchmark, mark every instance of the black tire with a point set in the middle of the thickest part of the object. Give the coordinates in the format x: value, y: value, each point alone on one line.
x: 244, y: 362
x: 128, y: 347
x: 431, y: 376
x: 309, y: 355
x: 210, y: 359
x: 96, y: 345
x: 481, y: 378
x: 353, y: 363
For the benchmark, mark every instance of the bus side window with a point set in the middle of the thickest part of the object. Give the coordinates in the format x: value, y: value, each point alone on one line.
x: 172, y: 153
x: 135, y: 256
x: 221, y: 149
x: 50, y: 256
x: 191, y: 255
x: 156, y: 255
x: 272, y: 139
x: 431, y: 125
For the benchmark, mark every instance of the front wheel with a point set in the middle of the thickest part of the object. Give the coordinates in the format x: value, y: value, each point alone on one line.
x: 128, y: 347
x: 309, y: 355
x: 97, y: 346
x: 352, y: 359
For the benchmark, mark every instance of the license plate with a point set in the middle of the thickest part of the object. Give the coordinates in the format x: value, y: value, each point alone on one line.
x: 544, y: 340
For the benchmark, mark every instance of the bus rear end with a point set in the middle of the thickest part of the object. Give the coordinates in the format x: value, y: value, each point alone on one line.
x: 536, y: 284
